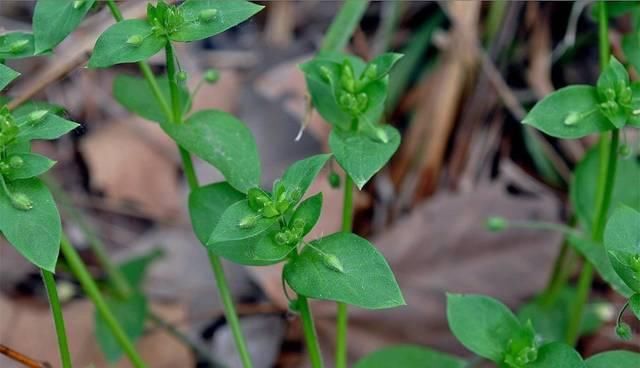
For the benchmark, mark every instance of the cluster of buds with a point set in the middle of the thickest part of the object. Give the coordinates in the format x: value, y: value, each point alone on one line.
x: 269, y: 206
x: 165, y: 19
x: 522, y: 349
x: 291, y: 235
x: 14, y: 162
x: 8, y: 127
x: 616, y: 100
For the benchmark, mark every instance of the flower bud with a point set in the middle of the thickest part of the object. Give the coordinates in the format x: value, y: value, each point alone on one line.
x: 572, y: 118
x: 135, y: 40
x: 299, y: 223
x: 248, y: 222
x: 21, y: 202
x: 36, y: 116
x: 18, y: 46
x: 332, y: 262
x: 207, y: 15
x: 334, y: 180
x: 270, y: 211
x: 4, y: 167
x: 16, y: 162
x: 211, y: 76
x: 295, y: 195
x: 77, y: 4
x: 347, y: 101
x: 624, y: 150
x: 325, y: 73
x: 371, y: 72
x: 496, y: 224
x: 281, y: 238
x: 181, y: 76
x: 623, y: 331
x: 382, y: 135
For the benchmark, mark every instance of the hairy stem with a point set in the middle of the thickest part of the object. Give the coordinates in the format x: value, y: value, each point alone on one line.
x: 606, y: 178
x: 58, y: 318
x: 310, y: 335
x: 91, y: 289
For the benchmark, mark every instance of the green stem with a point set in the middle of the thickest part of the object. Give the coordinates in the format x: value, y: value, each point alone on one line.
x: 310, y: 335
x: 58, y: 318
x: 192, y: 179
x: 606, y: 179
x: 344, y: 24
x: 91, y: 289
x: 117, y: 15
x: 342, y: 317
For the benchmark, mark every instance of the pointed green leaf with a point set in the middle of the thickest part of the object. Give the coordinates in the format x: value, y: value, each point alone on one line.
x: 622, y: 241
x: 596, y: 254
x: 568, y: 113
x: 49, y: 126
x: 33, y: 165
x: 555, y: 355
x: 135, y: 95
x: 584, y: 184
x: 54, y: 20
x: 309, y: 212
x: 381, y: 65
x: 16, y: 45
x: 361, y: 156
x: 634, y: 304
x: 207, y: 204
x: 223, y: 141
x: 323, y: 92
x: 21, y: 112
x: 617, y: 359
x: 631, y: 47
x: 134, y: 270
x: 206, y: 18
x: 409, y: 356
x: 131, y: 313
x: 612, y: 84
x: 228, y: 227
x: 6, y: 76
x: 482, y: 324
x: 35, y: 233
x: 112, y: 47
x: 301, y: 174
x: 346, y: 268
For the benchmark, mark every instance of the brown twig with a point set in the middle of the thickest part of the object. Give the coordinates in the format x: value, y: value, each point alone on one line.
x: 22, y: 359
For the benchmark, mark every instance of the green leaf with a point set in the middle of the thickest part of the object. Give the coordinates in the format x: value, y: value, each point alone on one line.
x: 268, y: 250
x: 301, y: 174
x: 16, y: 45
x: 360, y: 156
x: 134, y: 270
x: 631, y: 48
x: 135, y: 95
x: 584, y: 185
x: 555, y: 355
x: 622, y: 241
x: 613, y: 80
x: 33, y: 165
x: 48, y: 127
x: 377, y: 94
x: 323, y: 92
x: 482, y: 324
x: 206, y: 206
x: 131, y: 314
x: 223, y: 141
x: 35, y: 233
x: 21, y: 112
x: 634, y: 118
x: 54, y: 20
x: 568, y: 113
x: 617, y: 359
x: 6, y: 75
x: 634, y: 304
x: 346, y: 268
x: 382, y: 65
x: 206, y: 18
x: 409, y: 356
x: 597, y: 256
x: 112, y: 46
x: 228, y: 227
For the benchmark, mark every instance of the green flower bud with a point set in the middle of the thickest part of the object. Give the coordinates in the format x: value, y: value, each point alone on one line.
x: 624, y: 332
x: 281, y: 238
x: 334, y: 180
x: 21, y: 202
x: 207, y: 15
x: 18, y: 46
x: 371, y: 72
x: 248, y: 222
x: 211, y: 76
x: 325, y: 73
x: 347, y: 78
x: 572, y: 118
x: 181, y: 76
x: 16, y: 162
x: 299, y: 223
x: 625, y: 96
x: 270, y: 211
x: 624, y: 150
x: 36, y: 116
x: 295, y: 195
x: 609, y: 94
x: 283, y: 205
x: 347, y: 101
x: 332, y: 262
x: 362, y: 100
x: 496, y: 224
x: 382, y: 135
x: 4, y: 168
x: 135, y: 40
x: 77, y: 4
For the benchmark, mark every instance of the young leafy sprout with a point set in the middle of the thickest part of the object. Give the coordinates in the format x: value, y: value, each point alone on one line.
x: 29, y: 219
x: 350, y: 95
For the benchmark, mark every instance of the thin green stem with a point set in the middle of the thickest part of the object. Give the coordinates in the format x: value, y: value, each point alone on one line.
x: 559, y: 276
x: 58, y: 318
x: 342, y: 313
x: 230, y: 310
x: 91, y: 289
x: 117, y: 15
x: 310, y: 334
x: 344, y: 24
x: 176, y: 106
x: 608, y: 163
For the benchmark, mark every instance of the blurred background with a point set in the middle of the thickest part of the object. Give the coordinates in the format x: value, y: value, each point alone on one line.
x: 471, y: 71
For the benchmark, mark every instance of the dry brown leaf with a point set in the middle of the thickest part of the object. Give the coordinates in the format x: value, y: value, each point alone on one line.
x: 132, y: 164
